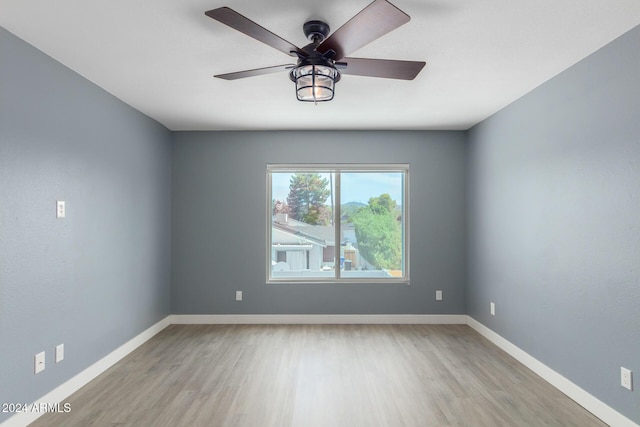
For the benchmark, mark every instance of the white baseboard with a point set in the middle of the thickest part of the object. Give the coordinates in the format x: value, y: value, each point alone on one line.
x: 319, y: 319
x: 579, y: 395
x: 69, y: 387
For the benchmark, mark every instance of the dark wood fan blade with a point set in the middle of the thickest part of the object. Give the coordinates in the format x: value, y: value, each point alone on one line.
x: 372, y: 22
x: 385, y: 68
x: 255, y: 72
x: 238, y: 22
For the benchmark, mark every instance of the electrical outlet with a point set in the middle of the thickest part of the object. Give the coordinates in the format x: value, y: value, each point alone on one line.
x: 238, y: 295
x: 59, y: 353
x: 38, y: 360
x: 493, y: 309
x: 438, y: 295
x: 626, y: 379
x: 61, y: 210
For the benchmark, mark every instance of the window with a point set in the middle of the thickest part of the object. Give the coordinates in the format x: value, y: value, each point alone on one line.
x: 337, y: 223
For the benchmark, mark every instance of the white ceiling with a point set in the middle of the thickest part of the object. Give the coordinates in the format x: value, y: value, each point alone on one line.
x: 159, y: 56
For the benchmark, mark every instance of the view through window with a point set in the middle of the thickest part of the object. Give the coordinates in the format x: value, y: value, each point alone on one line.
x: 338, y: 223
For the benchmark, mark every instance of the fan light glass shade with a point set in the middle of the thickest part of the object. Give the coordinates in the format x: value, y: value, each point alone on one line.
x: 315, y: 83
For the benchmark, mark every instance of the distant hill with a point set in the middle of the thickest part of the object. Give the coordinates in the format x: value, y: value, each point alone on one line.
x: 352, y: 204
x: 350, y: 208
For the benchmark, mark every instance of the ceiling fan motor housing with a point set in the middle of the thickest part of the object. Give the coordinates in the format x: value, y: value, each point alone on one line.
x: 316, y: 31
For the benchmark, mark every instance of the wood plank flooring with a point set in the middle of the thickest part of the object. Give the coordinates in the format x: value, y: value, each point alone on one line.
x: 319, y: 375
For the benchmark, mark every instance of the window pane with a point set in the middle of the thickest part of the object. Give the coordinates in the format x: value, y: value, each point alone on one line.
x: 372, y: 224
x: 302, y: 229
x: 338, y: 223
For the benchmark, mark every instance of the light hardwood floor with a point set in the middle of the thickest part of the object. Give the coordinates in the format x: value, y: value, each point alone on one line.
x: 319, y: 375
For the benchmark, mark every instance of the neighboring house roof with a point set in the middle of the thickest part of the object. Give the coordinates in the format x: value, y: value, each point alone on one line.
x: 321, y: 232
x: 323, y: 235
x: 301, y: 233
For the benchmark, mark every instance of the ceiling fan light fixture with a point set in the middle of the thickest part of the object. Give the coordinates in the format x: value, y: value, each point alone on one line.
x: 315, y: 82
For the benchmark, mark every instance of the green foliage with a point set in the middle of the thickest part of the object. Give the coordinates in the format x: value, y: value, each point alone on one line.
x: 379, y: 233
x: 382, y: 204
x: 308, y: 193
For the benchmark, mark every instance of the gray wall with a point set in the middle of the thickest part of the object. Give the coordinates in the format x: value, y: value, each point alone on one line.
x: 219, y: 222
x: 101, y: 276
x: 554, y: 222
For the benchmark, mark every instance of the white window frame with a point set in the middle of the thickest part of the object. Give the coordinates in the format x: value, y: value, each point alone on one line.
x: 337, y: 169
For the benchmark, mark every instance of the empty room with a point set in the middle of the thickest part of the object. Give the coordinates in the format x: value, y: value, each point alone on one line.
x: 298, y: 213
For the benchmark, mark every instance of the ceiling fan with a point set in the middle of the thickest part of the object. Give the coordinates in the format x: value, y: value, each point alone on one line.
x: 322, y: 62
